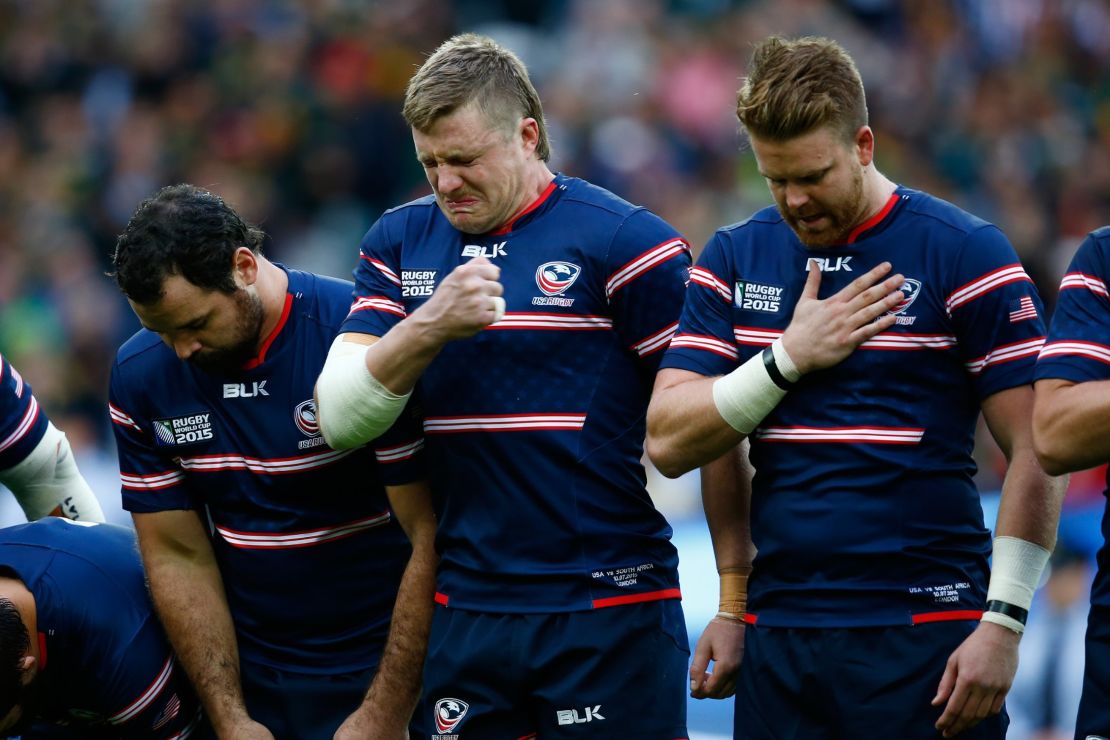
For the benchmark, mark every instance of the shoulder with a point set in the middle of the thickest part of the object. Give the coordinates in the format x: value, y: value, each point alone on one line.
x: 937, y: 213
x: 321, y: 298
x: 143, y: 351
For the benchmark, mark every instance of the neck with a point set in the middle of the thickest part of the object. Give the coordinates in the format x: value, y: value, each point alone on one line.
x: 877, y: 189
x: 272, y: 285
x: 535, y: 182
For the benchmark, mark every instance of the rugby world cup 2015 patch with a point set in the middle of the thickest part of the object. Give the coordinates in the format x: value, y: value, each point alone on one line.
x: 763, y: 297
x: 183, y: 430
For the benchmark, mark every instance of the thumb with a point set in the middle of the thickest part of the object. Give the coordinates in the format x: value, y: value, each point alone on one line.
x: 813, y: 280
x: 478, y: 261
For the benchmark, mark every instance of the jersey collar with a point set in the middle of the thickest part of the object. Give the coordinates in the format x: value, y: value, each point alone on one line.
x: 528, y: 210
x: 261, y: 357
x: 873, y: 223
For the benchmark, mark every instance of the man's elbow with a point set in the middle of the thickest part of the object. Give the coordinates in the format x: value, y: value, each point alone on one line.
x: 664, y: 457
x: 1055, y: 459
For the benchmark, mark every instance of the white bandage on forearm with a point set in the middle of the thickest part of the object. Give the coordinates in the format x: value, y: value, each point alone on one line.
x: 354, y: 407
x: 1016, y: 568
x: 47, y: 481
x: 745, y: 396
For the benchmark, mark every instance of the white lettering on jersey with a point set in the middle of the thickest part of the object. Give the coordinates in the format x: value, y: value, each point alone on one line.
x: 477, y: 250
x: 570, y: 716
x: 417, y: 283
x: 751, y: 296
x: 239, y: 390
x: 830, y: 264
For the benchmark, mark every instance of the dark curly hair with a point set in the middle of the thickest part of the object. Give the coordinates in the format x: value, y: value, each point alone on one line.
x: 181, y: 230
x: 14, y: 643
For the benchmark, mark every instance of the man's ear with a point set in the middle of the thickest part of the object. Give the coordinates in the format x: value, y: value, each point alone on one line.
x: 244, y: 267
x: 28, y: 669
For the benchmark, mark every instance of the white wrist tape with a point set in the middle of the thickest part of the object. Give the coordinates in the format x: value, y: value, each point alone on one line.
x: 47, y: 481
x: 1016, y: 568
x: 353, y: 407
x: 785, y: 363
x: 746, y: 395
x: 498, y: 308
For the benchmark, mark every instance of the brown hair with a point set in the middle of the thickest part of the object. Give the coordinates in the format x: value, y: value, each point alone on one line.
x: 469, y: 68
x: 797, y: 85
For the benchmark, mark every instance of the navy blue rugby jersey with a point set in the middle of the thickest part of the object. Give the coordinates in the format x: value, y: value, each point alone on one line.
x: 22, y: 421
x: 535, y: 426
x: 103, y: 657
x: 310, y: 555
x: 863, y: 508
x: 1078, y: 347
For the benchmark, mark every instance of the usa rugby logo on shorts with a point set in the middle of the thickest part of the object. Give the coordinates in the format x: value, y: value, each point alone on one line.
x: 554, y: 278
x: 449, y: 713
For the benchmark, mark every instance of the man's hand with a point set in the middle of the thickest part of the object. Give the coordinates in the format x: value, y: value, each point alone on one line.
x: 824, y: 332
x: 245, y: 729
x: 467, y: 301
x: 723, y: 643
x: 978, y: 676
x: 361, y: 725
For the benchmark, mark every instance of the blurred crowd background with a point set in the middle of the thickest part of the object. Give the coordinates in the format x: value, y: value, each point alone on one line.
x: 291, y: 111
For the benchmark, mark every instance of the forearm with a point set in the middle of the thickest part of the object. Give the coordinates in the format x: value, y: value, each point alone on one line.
x: 685, y: 429
x: 726, y: 498
x: 1031, y: 501
x: 1071, y: 424
x: 48, y: 483
x: 402, y: 355
x: 395, y: 690
x: 190, y: 600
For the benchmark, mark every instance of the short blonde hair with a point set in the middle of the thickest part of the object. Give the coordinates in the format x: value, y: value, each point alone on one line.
x: 472, y: 69
x: 797, y: 85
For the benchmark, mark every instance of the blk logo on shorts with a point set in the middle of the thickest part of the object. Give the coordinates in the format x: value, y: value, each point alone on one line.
x: 571, y: 716
x: 449, y: 713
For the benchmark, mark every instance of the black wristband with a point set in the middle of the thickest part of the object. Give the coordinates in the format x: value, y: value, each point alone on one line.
x: 773, y: 370
x: 1007, y: 609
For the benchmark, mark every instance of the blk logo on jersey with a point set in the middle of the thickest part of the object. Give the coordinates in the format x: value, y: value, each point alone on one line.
x: 304, y: 416
x: 491, y: 251
x: 242, y: 390
x: 183, y: 430
x: 553, y: 279
x: 829, y: 264
x: 910, y: 290
x: 751, y: 296
x: 448, y: 714
x: 572, y: 717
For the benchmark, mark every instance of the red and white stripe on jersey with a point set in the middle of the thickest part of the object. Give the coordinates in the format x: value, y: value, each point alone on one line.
x: 1006, y: 353
x: 398, y: 453
x: 383, y: 268
x: 18, y: 380
x: 992, y: 280
x: 1083, y: 281
x: 304, y: 538
x: 866, y: 435
x: 377, y: 303
x: 655, y: 256
x: 148, y: 696
x: 553, y: 321
x: 706, y: 279
x: 119, y: 417
x: 707, y: 343
x: 1090, y: 350
x: 152, y: 482
x: 752, y: 335
x: 271, y: 466
x: 25, y: 425
x: 503, y: 423
x: 657, y: 341
x: 899, y: 341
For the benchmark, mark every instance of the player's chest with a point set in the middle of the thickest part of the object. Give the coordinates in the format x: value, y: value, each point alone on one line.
x: 543, y: 276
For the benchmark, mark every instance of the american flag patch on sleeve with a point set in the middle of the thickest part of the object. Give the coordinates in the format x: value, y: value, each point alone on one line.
x: 1022, y: 310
